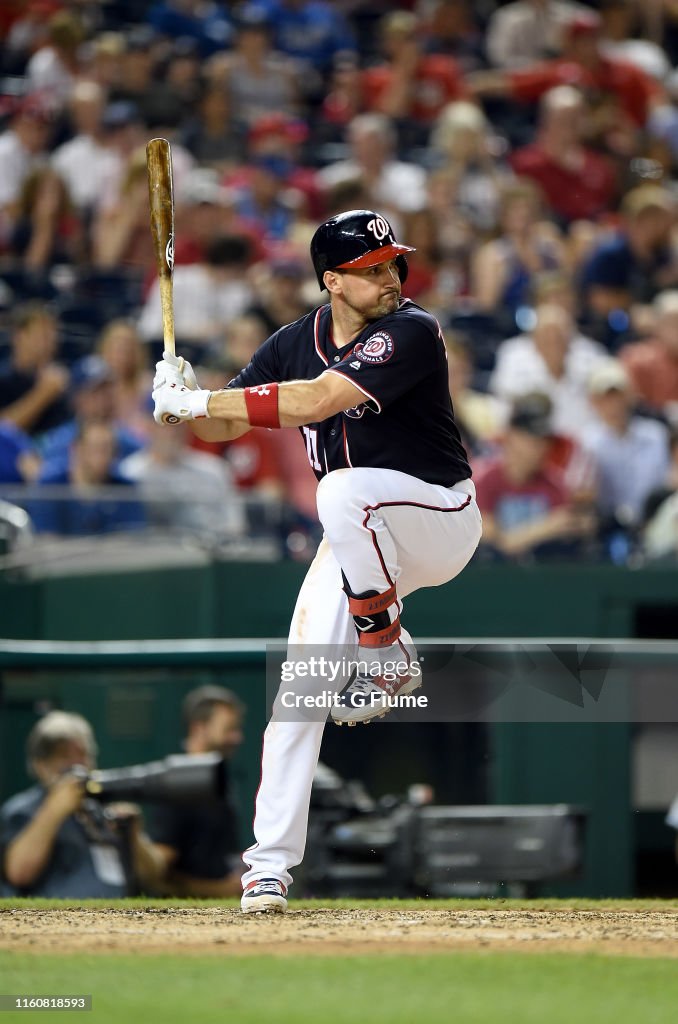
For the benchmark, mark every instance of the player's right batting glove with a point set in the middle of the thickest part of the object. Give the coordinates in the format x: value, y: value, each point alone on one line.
x: 175, y: 402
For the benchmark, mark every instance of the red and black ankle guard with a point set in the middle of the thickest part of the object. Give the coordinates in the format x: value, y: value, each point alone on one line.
x: 372, y: 620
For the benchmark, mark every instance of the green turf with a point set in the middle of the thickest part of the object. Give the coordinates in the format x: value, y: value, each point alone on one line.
x: 455, y: 988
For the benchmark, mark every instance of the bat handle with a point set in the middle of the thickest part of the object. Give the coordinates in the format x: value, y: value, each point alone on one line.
x: 167, y: 304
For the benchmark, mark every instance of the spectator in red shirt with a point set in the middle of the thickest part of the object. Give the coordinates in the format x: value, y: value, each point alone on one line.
x: 620, y: 95
x: 525, y: 504
x: 576, y: 182
x: 252, y: 458
x: 411, y: 85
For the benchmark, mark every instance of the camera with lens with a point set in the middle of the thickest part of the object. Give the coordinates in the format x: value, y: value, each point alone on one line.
x: 179, y: 778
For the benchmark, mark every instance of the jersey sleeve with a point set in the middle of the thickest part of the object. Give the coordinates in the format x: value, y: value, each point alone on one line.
x: 390, y: 361
x: 529, y: 84
x: 263, y: 367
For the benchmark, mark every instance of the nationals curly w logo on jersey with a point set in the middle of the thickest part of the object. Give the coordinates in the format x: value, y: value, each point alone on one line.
x: 377, y: 349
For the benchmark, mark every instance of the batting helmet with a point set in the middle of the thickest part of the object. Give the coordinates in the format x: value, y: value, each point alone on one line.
x: 358, y: 238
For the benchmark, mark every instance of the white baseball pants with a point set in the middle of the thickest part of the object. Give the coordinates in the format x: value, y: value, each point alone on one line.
x: 380, y: 527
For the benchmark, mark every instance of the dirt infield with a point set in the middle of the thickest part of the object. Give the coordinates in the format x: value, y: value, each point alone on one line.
x: 324, y: 930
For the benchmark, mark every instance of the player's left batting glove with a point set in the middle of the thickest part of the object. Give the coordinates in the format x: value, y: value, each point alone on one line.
x: 174, y: 369
x: 175, y: 402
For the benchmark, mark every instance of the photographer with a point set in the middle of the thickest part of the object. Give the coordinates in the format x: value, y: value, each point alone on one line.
x: 55, y: 841
x: 199, y: 842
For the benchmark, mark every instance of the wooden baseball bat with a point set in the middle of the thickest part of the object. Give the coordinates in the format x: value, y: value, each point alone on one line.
x: 161, y: 201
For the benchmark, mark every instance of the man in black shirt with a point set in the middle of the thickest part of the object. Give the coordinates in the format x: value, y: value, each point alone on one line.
x: 32, y: 385
x: 365, y: 379
x: 199, y: 842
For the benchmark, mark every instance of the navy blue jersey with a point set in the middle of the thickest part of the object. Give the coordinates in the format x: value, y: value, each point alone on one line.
x: 399, y: 364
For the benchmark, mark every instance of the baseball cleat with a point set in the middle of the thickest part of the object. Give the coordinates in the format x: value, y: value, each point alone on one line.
x: 368, y: 697
x: 264, y: 895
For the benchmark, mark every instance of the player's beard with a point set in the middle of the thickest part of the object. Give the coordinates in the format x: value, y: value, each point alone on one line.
x: 387, y: 304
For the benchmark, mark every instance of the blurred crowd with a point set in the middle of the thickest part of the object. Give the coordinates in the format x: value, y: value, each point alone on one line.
x: 527, y: 149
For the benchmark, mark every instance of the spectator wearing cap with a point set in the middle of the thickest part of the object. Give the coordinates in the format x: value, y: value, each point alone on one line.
x: 280, y: 135
x: 91, y: 464
x: 85, y: 163
x: 55, y: 67
x: 93, y: 401
x: 33, y: 385
x: 637, y: 261
x: 525, y: 504
x: 631, y: 452
x: 652, y: 364
x: 23, y: 148
x: 577, y: 182
x: 625, y: 95
x: 395, y: 186
x: 259, y: 80
x: 526, y: 31
x: 207, y: 296
x: 266, y: 202
x: 410, y: 85
x: 554, y: 359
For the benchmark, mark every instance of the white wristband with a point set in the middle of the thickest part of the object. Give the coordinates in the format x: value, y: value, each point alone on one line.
x: 197, y: 403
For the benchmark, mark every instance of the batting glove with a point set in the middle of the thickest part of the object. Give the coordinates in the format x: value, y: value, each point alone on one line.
x: 175, y: 402
x: 174, y: 369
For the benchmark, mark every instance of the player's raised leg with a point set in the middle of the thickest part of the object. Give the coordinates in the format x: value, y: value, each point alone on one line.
x: 392, y: 534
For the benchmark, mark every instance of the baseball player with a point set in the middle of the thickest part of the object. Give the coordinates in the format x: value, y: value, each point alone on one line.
x: 364, y: 378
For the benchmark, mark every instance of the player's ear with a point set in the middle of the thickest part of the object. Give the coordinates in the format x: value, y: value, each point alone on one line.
x: 332, y: 281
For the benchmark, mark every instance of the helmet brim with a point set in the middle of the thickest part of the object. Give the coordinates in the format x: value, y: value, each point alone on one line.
x: 376, y: 256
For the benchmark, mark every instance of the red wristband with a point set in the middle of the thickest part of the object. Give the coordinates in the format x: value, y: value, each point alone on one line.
x: 262, y: 405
